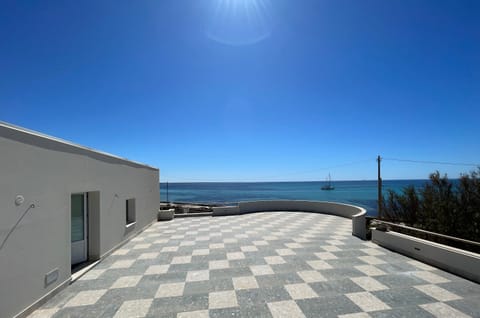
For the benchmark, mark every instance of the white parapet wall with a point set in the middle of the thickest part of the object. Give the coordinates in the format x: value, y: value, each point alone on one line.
x: 357, y: 214
x: 454, y: 260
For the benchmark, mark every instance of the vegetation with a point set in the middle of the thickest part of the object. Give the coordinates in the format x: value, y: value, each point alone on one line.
x: 441, y: 206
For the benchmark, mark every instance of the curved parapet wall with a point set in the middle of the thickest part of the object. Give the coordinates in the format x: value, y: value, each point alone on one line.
x: 357, y: 214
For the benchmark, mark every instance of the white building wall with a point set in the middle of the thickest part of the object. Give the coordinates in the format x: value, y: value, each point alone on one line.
x: 45, y: 172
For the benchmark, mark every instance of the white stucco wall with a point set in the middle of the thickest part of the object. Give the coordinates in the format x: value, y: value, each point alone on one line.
x: 46, y: 171
x: 457, y: 261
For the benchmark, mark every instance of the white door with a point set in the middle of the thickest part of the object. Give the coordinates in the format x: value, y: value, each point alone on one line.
x: 79, y: 227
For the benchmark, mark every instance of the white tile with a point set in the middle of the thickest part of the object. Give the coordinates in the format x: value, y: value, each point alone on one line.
x: 330, y: 248
x: 216, y: 245
x: 370, y: 270
x: 311, y: 276
x: 121, y: 252
x: 368, y: 283
x: 44, y: 313
x: 437, y: 292
x: 421, y: 265
x: 126, y: 281
x: 285, y: 309
x: 187, y: 243
x: 181, y: 260
x: 93, y: 274
x: 274, y: 260
x: 126, y: 263
x: 258, y: 270
x: 285, y: 252
x: 293, y: 245
x: 196, y: 276
x: 245, y: 282
x: 161, y: 241
x: 372, y: 260
x: 167, y: 249
x: 319, y: 264
x: 431, y: 277
x: 170, y: 290
x: 134, y: 308
x: 148, y: 256
x: 194, y: 314
x: 222, y: 299
x: 367, y: 302
x: 325, y: 255
x: 442, y: 310
x: 157, y: 269
x: 260, y: 243
x: 235, y: 256
x: 270, y: 238
x: 203, y: 251
x: 84, y: 298
x: 230, y: 241
x: 250, y: 248
x: 300, y: 291
x: 141, y: 246
x: 335, y: 242
x: 372, y: 251
x: 219, y: 264
x: 355, y: 315
x: 301, y: 240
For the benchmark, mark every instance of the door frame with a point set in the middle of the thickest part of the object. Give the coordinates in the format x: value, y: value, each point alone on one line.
x: 80, y: 246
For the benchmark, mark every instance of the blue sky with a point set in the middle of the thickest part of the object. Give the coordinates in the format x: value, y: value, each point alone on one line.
x: 250, y: 90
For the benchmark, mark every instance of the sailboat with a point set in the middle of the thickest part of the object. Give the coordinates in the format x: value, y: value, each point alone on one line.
x: 329, y: 185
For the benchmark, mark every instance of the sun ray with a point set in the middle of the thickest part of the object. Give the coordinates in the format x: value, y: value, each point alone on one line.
x: 240, y: 22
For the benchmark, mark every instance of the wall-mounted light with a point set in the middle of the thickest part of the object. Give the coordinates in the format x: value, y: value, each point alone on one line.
x: 19, y: 199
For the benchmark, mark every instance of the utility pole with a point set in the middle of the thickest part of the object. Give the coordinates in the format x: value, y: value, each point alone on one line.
x: 168, y: 201
x: 379, y: 160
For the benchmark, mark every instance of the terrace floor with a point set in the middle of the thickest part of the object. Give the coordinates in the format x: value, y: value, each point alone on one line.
x: 275, y: 264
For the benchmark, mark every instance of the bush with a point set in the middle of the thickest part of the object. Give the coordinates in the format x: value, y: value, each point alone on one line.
x: 440, y: 206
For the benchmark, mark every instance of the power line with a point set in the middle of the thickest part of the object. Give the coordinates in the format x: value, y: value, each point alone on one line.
x: 434, y: 162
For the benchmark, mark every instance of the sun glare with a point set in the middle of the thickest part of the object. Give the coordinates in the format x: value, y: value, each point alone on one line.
x: 240, y: 22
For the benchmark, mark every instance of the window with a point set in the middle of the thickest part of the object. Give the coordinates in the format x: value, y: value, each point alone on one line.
x: 130, y: 212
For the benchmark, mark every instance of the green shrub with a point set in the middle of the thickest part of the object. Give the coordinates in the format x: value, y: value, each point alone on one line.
x: 439, y: 206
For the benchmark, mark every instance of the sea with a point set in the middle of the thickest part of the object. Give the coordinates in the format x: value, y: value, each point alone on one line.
x: 361, y: 193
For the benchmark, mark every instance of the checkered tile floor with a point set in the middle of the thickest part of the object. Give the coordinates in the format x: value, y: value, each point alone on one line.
x: 282, y: 264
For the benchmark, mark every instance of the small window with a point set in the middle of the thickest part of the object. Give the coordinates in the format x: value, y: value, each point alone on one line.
x: 130, y: 211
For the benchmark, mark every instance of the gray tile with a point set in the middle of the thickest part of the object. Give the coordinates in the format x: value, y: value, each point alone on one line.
x: 341, y: 273
x: 462, y: 288
x: 207, y: 286
x: 230, y: 272
x: 178, y: 304
x: 225, y: 312
x: 337, y: 287
x: 345, y: 262
x: 403, y: 312
x: 254, y: 312
x: 403, y: 297
x: 328, y: 306
x: 469, y: 306
x: 401, y: 280
x: 257, y: 297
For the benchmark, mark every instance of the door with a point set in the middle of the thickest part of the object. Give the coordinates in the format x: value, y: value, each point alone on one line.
x: 79, y: 227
